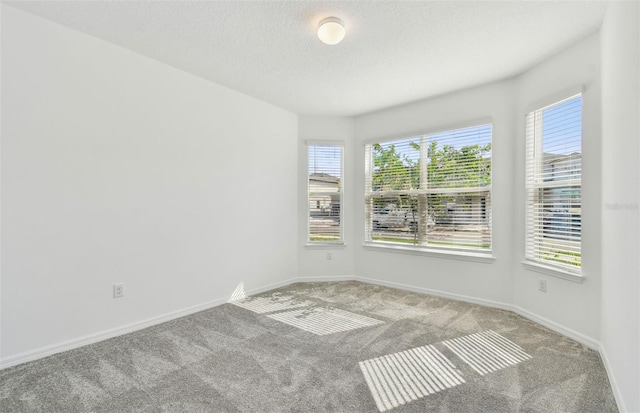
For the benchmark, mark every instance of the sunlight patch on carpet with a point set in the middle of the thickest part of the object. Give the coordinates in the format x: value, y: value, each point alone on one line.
x: 403, y: 312
x: 324, y: 320
x: 399, y: 378
x: 262, y: 305
x: 487, y: 351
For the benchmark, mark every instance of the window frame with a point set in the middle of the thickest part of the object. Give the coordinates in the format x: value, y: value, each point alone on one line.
x: 324, y: 243
x: 454, y: 252
x: 533, y: 263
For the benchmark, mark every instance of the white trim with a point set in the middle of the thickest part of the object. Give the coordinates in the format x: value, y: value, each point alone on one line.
x: 558, y: 328
x: 453, y: 296
x: 553, y: 271
x: 103, y: 335
x: 118, y: 331
x: 330, y: 278
x: 612, y: 379
x: 485, y: 257
x: 93, y: 338
x: 325, y: 244
x: 558, y: 97
x: 324, y: 142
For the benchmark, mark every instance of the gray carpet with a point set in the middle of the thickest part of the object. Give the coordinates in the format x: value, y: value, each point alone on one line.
x: 322, y: 347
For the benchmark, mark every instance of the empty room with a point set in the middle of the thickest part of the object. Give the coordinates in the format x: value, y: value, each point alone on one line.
x: 320, y: 206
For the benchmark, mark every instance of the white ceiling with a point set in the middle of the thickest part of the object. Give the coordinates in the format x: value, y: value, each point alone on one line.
x: 394, y: 52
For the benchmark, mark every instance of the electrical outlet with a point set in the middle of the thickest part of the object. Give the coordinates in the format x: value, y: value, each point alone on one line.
x: 329, y: 257
x: 118, y: 290
x: 542, y: 285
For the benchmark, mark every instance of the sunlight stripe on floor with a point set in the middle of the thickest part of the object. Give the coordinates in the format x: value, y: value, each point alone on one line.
x: 399, y: 378
x: 398, y: 312
x: 263, y: 305
x: 487, y: 351
x: 324, y: 320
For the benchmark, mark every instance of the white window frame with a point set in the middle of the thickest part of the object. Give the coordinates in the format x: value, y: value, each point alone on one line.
x: 313, y: 195
x: 461, y: 253
x: 534, y: 186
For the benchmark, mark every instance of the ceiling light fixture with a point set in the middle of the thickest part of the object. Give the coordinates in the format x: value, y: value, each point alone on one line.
x: 331, y: 30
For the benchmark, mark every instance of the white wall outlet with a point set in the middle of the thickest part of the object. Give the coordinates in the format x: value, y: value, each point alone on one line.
x: 542, y: 285
x: 118, y: 290
x: 329, y: 257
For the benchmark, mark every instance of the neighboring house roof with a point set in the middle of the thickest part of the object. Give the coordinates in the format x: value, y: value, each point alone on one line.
x: 553, y: 157
x: 323, y: 177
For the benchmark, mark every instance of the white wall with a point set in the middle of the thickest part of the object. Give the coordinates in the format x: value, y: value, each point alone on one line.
x: 312, y: 260
x: 575, y: 306
x: 117, y: 168
x: 485, y: 281
x: 620, y: 327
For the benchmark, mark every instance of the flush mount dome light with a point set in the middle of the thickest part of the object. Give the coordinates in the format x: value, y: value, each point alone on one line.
x: 331, y: 30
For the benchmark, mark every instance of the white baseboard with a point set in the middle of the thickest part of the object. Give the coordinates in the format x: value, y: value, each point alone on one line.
x: 558, y: 328
x: 103, y: 335
x: 139, y: 325
x: 459, y: 297
x: 612, y: 380
x: 552, y: 325
x: 329, y: 278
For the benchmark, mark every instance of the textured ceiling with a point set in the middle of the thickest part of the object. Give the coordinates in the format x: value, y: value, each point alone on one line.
x: 395, y: 51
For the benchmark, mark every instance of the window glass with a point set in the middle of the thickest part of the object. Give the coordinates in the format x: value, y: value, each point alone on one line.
x: 325, y: 193
x: 431, y: 191
x: 554, y: 184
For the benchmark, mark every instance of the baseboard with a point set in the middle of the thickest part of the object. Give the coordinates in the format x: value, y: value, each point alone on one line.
x: 103, y: 335
x: 106, y: 334
x: 558, y: 328
x: 444, y: 294
x: 612, y: 379
x: 328, y: 278
x: 129, y: 328
x: 139, y: 325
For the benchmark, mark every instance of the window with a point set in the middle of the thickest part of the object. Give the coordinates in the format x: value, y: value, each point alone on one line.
x: 430, y: 191
x: 325, y: 193
x: 554, y: 167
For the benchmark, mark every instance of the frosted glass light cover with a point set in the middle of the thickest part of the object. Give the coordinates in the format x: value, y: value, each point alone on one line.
x: 331, y: 31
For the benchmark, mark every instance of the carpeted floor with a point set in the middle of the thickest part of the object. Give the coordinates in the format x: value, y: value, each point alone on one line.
x: 322, y: 347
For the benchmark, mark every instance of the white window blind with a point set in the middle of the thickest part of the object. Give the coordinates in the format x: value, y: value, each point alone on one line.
x: 430, y: 191
x: 325, y: 193
x: 554, y: 184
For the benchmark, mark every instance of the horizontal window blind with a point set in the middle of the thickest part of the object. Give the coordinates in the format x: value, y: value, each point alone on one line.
x: 325, y: 164
x: 432, y: 190
x: 554, y: 184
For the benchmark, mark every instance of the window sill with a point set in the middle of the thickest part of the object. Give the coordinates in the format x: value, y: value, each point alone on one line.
x: 486, y: 257
x: 553, y: 271
x: 325, y: 245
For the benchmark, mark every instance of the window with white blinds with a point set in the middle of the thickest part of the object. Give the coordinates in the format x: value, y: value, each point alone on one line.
x: 325, y: 165
x: 430, y: 191
x: 554, y: 184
